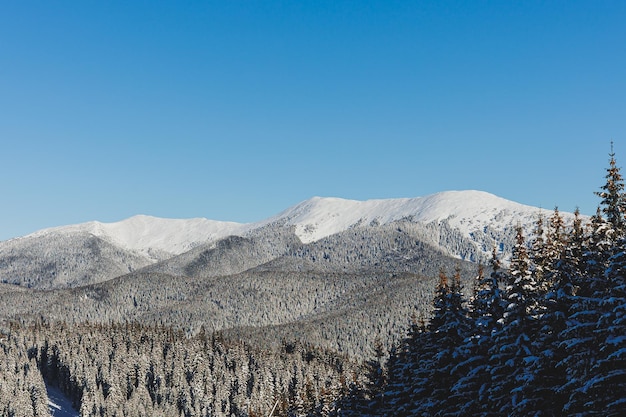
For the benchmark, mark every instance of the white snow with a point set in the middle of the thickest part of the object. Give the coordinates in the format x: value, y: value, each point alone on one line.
x: 316, y: 218
x: 142, y: 232
x: 467, y: 211
x: 58, y: 404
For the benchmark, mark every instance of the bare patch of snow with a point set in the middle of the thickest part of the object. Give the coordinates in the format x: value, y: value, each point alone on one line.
x: 58, y: 404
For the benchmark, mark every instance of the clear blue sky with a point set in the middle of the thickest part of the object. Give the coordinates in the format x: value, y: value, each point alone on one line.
x: 236, y: 110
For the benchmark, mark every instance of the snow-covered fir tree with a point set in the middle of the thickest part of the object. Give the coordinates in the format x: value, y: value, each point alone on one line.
x: 513, y: 350
x: 605, y: 384
x: 613, y: 199
x: 486, y: 310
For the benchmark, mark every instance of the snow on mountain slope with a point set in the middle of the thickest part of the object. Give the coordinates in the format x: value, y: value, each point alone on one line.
x: 143, y: 233
x: 462, y: 224
x: 470, y: 212
x: 467, y: 211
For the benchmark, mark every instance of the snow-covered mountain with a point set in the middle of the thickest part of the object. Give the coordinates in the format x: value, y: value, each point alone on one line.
x: 148, y: 235
x: 463, y: 224
x: 313, y: 219
x: 466, y: 211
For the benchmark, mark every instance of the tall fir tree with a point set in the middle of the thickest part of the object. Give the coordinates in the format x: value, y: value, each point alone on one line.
x: 410, y: 368
x: 562, y: 275
x: 539, y: 250
x: 433, y: 377
x: 605, y: 385
x: 456, y: 329
x: 513, y: 350
x: 613, y: 201
x: 555, y: 246
x: 585, y: 335
x: 486, y: 311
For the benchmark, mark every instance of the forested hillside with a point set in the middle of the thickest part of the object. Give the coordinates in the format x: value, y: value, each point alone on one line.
x: 378, y: 274
x: 374, y: 320
x: 124, y: 370
x: 544, y: 337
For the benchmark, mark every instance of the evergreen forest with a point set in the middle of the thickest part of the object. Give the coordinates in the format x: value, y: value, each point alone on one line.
x: 544, y: 337
x: 540, y: 334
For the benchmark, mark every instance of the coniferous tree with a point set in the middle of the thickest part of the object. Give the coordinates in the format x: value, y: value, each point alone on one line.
x: 579, y: 338
x: 451, y: 336
x: 585, y: 334
x: 562, y: 274
x: 539, y: 249
x: 575, y: 243
x: 470, y: 392
x: 423, y: 369
x: 428, y: 379
x: 555, y: 245
x: 561, y: 302
x: 376, y: 379
x: 448, y: 328
x: 469, y: 360
x: 605, y: 384
x: 613, y: 201
x: 395, y: 392
x: 410, y: 368
x: 513, y: 350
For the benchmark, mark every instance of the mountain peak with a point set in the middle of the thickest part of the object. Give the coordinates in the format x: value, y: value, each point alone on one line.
x: 144, y: 233
x: 461, y: 223
x: 314, y: 219
x: 319, y: 217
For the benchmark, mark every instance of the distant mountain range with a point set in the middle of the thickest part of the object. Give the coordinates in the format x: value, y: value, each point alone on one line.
x: 335, y: 273
x: 462, y: 224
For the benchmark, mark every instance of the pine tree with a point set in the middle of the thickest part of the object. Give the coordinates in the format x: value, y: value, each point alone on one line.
x: 513, y: 350
x: 470, y: 392
x: 429, y: 380
x: 562, y: 275
x: 539, y: 250
x: 584, y: 338
x: 376, y: 379
x: 423, y: 370
x: 457, y: 329
x: 605, y: 384
x: 613, y: 201
x: 396, y: 392
x: 448, y: 328
x: 410, y: 369
x: 555, y: 246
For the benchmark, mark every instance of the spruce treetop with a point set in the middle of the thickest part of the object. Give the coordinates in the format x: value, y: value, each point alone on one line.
x: 612, y: 194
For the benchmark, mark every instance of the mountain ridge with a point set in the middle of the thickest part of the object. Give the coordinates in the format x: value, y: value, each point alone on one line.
x: 426, y: 209
x: 462, y: 224
x: 327, y: 215
x: 141, y: 231
x: 311, y: 273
